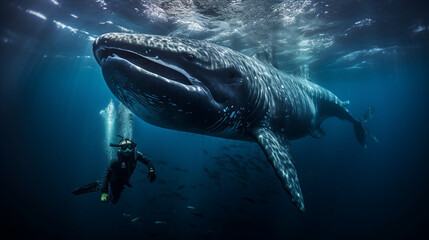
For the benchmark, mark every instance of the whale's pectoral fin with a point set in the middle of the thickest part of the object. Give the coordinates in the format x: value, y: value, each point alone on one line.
x: 279, y: 154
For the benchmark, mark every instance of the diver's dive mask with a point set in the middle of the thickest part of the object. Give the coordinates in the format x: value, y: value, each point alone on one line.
x: 125, y: 145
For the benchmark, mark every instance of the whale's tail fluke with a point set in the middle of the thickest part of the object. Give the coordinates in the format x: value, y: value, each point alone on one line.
x: 360, y: 131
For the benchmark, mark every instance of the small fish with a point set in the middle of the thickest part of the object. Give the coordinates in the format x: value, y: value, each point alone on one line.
x: 177, y: 169
x: 225, y: 208
x: 249, y: 199
x: 135, y: 219
x: 255, y: 167
x: 241, y: 210
x: 162, y: 162
x: 205, y: 151
x: 198, y: 214
x: 263, y: 201
x: 176, y: 194
x: 235, y: 163
x: 204, y: 236
x: 126, y: 215
x: 181, y: 186
x: 214, y: 176
x: 160, y: 222
x: 244, y: 178
x: 161, y: 182
x: 166, y: 195
x: 243, y: 184
x: 152, y: 199
x: 190, y: 207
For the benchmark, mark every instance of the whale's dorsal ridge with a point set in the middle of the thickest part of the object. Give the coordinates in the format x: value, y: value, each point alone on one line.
x: 279, y: 155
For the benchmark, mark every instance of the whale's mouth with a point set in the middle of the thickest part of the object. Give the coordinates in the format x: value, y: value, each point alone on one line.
x: 148, y: 64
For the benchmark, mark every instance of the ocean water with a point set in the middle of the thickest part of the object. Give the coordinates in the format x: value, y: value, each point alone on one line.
x: 58, y: 116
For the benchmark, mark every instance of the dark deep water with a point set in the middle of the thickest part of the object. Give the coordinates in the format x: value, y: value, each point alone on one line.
x: 53, y: 136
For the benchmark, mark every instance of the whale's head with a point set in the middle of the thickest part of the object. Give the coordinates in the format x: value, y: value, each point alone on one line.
x: 171, y: 82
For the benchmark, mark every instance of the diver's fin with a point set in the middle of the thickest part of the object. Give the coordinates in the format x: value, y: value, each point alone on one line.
x: 360, y: 131
x: 279, y: 155
x: 88, y: 188
x: 267, y: 56
x: 317, y: 132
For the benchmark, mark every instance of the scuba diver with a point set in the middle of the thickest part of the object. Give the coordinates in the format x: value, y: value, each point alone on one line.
x: 118, y: 172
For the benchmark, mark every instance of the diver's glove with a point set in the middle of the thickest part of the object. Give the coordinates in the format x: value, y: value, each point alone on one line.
x: 151, y: 175
x: 104, y: 197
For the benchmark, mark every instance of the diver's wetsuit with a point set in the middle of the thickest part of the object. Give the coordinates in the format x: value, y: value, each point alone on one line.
x: 119, y: 171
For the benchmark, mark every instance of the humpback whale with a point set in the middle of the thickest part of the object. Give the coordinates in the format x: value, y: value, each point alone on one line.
x: 200, y: 87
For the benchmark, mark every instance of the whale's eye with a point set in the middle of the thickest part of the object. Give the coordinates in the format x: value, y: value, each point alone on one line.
x: 233, y: 74
x: 190, y: 57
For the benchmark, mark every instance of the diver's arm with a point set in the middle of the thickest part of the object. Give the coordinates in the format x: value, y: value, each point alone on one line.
x: 106, y: 179
x: 151, y: 175
x: 143, y: 159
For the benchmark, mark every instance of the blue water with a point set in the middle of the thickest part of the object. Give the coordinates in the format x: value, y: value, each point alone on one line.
x: 54, y: 138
